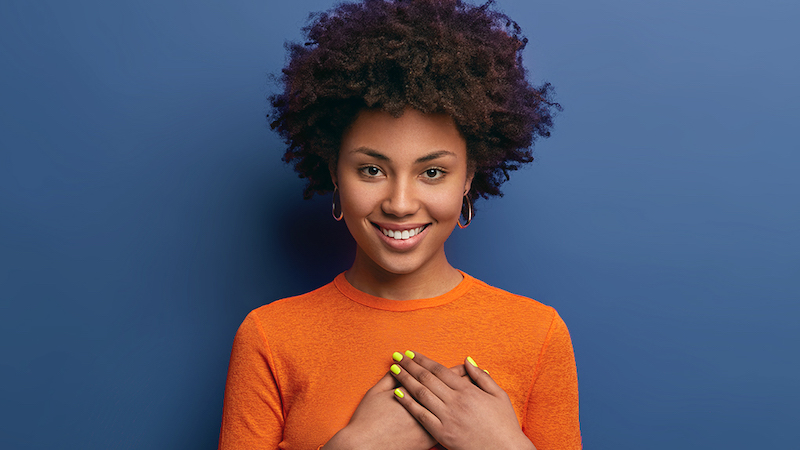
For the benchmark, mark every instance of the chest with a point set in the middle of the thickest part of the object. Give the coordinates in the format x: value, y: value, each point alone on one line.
x: 322, y: 384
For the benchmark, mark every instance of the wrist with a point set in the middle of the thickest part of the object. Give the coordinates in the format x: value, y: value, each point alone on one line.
x: 521, y: 442
x: 339, y: 441
x: 344, y: 439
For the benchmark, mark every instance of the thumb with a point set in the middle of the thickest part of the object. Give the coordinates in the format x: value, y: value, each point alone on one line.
x: 459, y: 370
x: 386, y: 383
x: 481, y: 377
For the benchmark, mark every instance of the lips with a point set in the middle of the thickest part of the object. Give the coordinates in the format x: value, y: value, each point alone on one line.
x: 400, y: 232
x: 402, y: 235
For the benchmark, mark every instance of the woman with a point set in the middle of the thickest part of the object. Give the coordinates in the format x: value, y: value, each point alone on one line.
x: 408, y: 111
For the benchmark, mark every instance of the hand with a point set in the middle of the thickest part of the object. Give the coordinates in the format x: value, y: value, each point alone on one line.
x: 456, y: 412
x: 379, y: 422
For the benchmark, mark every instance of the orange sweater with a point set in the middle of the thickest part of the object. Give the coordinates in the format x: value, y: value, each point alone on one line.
x: 282, y: 393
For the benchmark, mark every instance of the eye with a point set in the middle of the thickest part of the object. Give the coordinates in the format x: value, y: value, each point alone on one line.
x: 433, y: 173
x: 370, y: 171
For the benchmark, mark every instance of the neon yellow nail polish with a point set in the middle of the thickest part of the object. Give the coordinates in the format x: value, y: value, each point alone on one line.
x: 395, y: 369
x: 398, y: 393
x: 487, y: 372
x: 397, y: 356
x: 471, y: 361
x: 410, y: 354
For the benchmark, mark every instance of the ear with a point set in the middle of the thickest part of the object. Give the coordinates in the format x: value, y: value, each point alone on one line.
x: 468, y: 183
x: 332, y: 170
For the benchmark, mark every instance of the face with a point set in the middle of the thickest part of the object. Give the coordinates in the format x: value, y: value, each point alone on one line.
x: 401, y: 184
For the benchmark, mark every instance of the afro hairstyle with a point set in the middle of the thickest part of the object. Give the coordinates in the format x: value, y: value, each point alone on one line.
x: 436, y: 56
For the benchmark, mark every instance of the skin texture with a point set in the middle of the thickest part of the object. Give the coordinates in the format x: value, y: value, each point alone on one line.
x: 401, y: 173
x: 380, y: 422
x: 411, y: 172
x: 459, y: 413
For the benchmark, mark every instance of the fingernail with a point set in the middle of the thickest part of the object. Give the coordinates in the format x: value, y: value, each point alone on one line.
x: 410, y: 354
x: 398, y: 393
x: 397, y: 356
x: 395, y: 369
x: 471, y: 361
x: 487, y: 372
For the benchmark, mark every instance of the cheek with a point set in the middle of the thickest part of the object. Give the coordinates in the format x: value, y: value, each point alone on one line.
x: 357, y: 202
x: 446, y: 205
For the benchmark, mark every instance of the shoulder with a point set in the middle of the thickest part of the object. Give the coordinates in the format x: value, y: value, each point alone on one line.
x: 293, y: 312
x: 500, y: 299
x: 296, y: 304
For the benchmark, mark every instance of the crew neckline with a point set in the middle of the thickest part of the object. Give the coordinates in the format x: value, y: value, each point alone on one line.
x: 372, y: 301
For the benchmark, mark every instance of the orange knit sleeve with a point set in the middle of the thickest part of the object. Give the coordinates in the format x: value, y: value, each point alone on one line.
x: 252, y: 416
x: 552, y: 421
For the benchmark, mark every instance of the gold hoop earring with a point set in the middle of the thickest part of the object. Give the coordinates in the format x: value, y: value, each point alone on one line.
x: 469, y: 212
x: 333, y: 206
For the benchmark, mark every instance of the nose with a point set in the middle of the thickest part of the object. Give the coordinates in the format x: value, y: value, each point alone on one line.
x: 401, y: 199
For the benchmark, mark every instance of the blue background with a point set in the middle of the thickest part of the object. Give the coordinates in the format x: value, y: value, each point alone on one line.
x: 144, y: 211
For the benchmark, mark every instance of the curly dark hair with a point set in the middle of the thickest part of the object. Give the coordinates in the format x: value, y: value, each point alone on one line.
x: 436, y: 56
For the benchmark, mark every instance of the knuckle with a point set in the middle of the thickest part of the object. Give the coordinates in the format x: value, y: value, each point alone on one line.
x: 425, y: 377
x: 438, y: 369
x: 422, y: 394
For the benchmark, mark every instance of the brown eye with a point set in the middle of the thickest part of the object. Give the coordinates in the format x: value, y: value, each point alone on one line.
x: 371, y: 171
x: 433, y: 173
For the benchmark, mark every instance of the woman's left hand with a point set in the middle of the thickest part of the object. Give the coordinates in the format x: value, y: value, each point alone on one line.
x: 456, y: 412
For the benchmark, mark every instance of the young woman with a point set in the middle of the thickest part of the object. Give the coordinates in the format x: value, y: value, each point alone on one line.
x: 409, y: 111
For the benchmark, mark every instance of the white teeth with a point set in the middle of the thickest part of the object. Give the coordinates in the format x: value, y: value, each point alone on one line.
x: 401, y: 235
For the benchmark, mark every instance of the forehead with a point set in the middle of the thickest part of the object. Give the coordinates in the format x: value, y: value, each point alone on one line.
x: 409, y: 136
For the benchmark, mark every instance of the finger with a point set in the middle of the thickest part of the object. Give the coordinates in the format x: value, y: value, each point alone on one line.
x: 481, y: 377
x: 459, y: 370
x: 427, y: 419
x: 426, y: 389
x: 385, y: 384
x: 439, y: 371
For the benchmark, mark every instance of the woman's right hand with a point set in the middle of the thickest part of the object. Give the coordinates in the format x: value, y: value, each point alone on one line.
x: 380, y: 422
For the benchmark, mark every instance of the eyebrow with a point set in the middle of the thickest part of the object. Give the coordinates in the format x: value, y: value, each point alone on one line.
x: 429, y: 157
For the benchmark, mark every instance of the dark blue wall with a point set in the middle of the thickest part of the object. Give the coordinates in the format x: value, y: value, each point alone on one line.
x: 144, y: 211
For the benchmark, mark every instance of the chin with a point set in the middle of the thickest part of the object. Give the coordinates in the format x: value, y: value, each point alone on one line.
x: 401, y: 266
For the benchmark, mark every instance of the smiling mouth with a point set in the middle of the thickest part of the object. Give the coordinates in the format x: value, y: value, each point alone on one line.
x: 401, y: 235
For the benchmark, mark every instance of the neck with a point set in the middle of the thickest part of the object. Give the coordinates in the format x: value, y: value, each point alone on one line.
x: 432, y: 280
